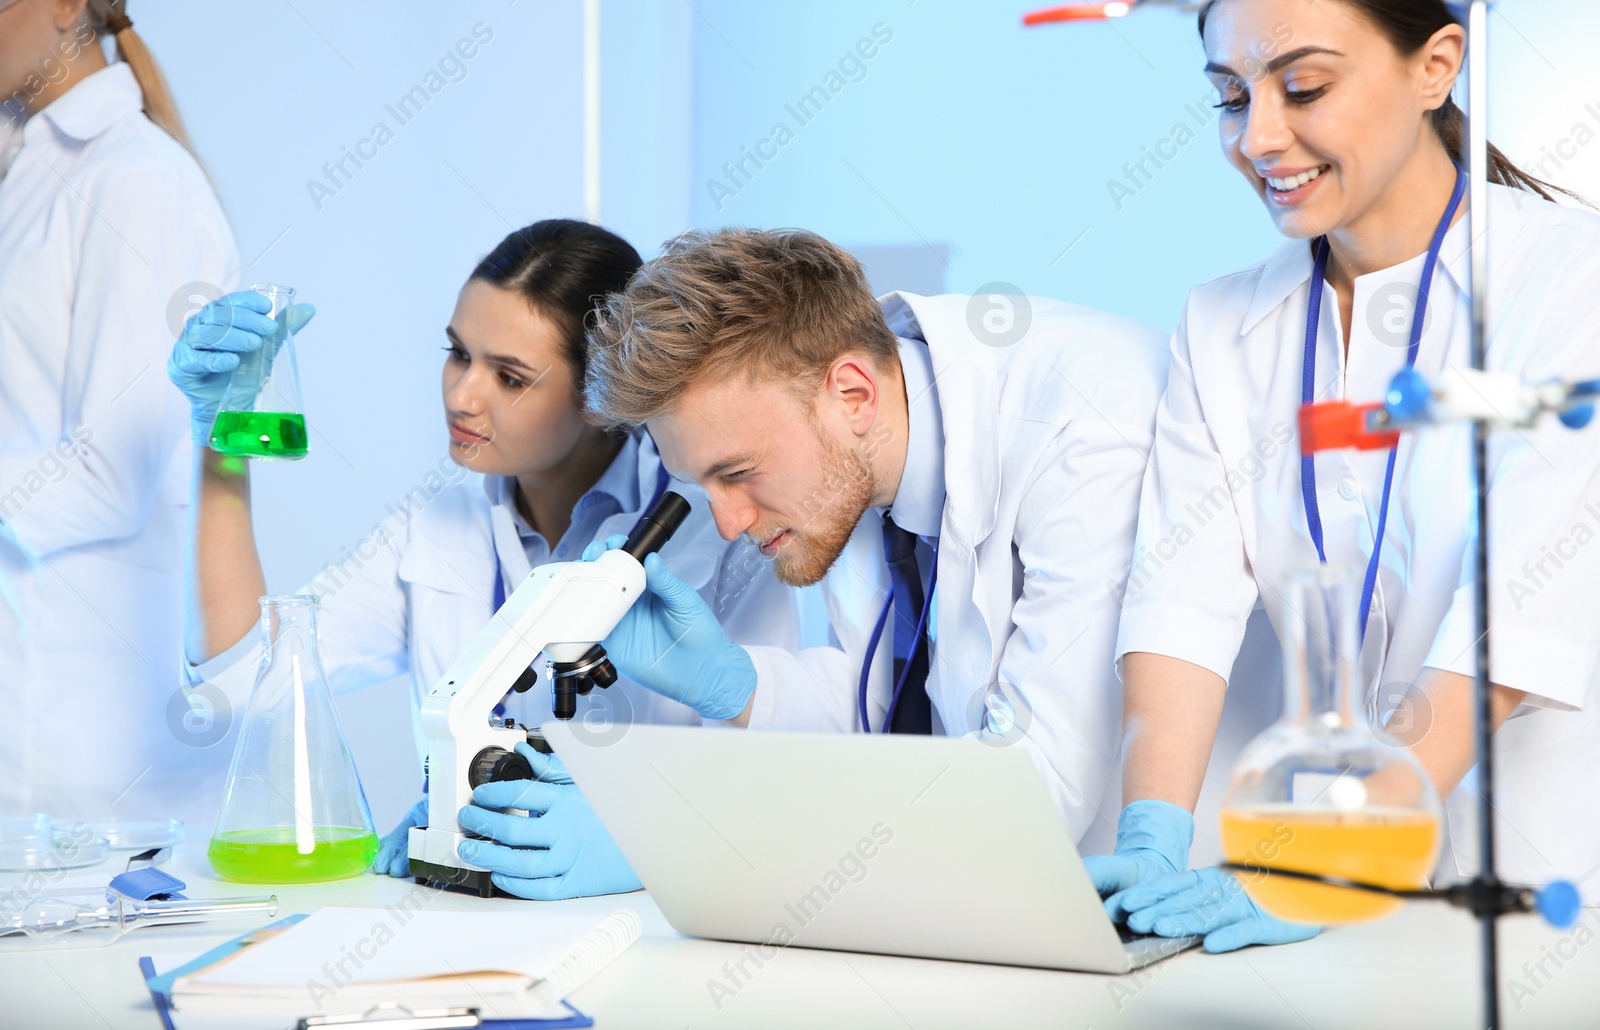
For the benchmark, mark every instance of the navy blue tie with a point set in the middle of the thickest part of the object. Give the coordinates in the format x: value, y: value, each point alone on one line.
x: 913, y: 713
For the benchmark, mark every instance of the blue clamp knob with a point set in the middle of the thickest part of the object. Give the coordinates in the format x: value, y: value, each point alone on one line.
x: 1559, y: 904
x: 1408, y: 395
x: 1578, y: 416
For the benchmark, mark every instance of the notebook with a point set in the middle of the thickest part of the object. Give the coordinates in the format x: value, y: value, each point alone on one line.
x: 510, y: 965
x: 224, y: 1021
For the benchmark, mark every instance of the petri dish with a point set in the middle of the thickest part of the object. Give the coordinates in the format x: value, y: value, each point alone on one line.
x: 133, y: 834
x: 20, y: 827
x: 73, y: 849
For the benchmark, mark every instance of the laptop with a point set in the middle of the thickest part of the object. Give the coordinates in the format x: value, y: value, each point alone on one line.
x: 930, y: 847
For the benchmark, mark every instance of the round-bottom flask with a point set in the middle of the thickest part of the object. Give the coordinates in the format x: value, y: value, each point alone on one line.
x: 1321, y: 791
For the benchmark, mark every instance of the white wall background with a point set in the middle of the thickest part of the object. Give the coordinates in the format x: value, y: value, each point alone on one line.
x: 967, y: 151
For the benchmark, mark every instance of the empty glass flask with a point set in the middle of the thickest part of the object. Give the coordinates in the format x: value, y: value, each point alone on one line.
x: 260, y: 415
x: 293, y: 810
x: 1321, y: 791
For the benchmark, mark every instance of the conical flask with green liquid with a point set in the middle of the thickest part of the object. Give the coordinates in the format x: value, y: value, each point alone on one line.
x: 260, y: 415
x: 293, y: 810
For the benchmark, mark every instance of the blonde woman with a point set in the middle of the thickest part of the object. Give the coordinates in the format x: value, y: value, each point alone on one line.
x: 105, y: 219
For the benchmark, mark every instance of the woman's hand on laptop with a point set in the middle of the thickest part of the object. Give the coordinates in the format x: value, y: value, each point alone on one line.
x: 558, y: 850
x: 1208, y: 902
x: 1146, y: 887
x: 1153, y: 839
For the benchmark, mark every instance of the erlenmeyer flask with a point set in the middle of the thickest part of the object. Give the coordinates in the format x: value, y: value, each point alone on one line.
x: 293, y: 810
x: 1321, y: 791
x: 260, y: 415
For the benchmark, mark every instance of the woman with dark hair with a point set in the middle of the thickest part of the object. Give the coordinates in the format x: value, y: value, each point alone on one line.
x: 551, y: 482
x: 1339, y: 117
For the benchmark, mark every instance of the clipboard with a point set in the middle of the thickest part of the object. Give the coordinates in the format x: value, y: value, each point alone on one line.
x: 381, y: 1018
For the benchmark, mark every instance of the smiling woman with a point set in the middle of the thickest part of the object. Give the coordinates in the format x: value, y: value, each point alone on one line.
x: 1409, y: 26
x: 1349, y: 137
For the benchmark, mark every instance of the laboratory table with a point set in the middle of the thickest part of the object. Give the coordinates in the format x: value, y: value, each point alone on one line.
x: 1417, y: 969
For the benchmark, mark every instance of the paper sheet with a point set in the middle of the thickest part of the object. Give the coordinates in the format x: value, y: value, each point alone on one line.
x: 339, y: 946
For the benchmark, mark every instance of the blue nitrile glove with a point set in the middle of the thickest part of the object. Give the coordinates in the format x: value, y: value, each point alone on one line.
x: 671, y: 642
x: 208, y: 350
x: 558, y: 850
x: 393, y: 849
x: 1210, y: 902
x: 1153, y: 839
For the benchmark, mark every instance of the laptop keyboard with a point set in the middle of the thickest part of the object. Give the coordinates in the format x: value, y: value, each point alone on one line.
x: 1143, y: 944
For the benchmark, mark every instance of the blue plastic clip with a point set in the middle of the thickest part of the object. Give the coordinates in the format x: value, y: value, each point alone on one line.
x: 144, y: 884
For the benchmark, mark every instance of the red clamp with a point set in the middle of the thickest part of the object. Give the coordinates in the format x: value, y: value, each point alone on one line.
x: 1078, y: 12
x: 1335, y: 425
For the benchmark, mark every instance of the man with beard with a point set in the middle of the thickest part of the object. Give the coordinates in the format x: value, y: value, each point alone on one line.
x: 963, y: 486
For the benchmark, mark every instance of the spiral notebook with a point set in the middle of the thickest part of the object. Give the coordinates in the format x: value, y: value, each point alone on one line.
x: 510, y: 965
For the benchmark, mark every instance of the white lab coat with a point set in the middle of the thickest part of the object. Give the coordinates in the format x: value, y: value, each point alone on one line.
x: 104, y: 220
x: 1045, y: 443
x: 1222, y: 518
x: 412, y: 594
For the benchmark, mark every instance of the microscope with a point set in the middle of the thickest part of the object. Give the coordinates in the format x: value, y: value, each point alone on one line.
x: 561, y: 610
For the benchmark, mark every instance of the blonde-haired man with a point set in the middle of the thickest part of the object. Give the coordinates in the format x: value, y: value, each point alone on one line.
x: 965, y: 494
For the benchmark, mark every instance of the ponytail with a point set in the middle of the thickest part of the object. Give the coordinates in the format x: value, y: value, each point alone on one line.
x: 1450, y: 124
x: 111, y: 16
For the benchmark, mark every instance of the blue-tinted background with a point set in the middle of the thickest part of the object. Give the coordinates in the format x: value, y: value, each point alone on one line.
x: 965, y: 151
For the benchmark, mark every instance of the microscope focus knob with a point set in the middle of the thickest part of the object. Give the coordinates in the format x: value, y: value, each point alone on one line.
x: 494, y: 764
x: 524, y: 682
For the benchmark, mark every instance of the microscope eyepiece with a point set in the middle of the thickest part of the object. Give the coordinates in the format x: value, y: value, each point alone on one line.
x: 657, y: 525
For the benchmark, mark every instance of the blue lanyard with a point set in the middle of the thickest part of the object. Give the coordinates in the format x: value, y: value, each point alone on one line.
x: 1308, y: 468
x: 872, y: 649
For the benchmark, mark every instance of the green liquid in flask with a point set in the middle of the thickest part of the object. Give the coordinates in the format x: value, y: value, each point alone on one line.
x: 260, y: 434
x: 273, y: 856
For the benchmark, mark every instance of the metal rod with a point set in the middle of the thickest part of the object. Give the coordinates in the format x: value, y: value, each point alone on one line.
x: 1467, y: 894
x: 1477, y: 156
x: 1417, y: 894
x: 591, y: 111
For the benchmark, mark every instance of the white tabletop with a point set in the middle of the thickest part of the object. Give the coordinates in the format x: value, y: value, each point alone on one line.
x: 1417, y: 969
